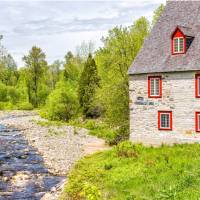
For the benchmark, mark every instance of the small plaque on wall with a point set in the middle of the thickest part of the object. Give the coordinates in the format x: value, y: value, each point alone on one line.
x: 143, y: 101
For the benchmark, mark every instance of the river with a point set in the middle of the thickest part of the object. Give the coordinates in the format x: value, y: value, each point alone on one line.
x: 23, y: 175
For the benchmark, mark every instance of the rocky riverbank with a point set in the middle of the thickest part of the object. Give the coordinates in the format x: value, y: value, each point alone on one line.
x: 59, y: 146
x: 23, y: 174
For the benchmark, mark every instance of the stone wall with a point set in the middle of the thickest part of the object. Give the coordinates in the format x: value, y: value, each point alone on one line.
x: 178, y: 96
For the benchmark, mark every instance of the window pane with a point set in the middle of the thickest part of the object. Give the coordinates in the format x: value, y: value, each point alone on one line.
x: 181, y: 44
x: 165, y: 121
x: 157, y: 87
x: 176, y: 45
x: 162, y: 120
x: 152, y: 87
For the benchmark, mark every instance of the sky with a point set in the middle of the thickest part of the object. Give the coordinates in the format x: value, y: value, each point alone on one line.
x: 60, y: 26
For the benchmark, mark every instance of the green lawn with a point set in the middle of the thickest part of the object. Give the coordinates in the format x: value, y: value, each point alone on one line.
x: 129, y: 172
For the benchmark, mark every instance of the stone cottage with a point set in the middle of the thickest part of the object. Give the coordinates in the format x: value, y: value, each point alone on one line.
x: 164, y: 79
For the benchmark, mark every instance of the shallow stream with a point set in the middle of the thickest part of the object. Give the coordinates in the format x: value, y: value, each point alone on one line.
x: 23, y: 175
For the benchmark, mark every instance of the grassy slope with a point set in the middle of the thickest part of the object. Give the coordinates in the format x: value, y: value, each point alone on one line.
x: 156, y: 173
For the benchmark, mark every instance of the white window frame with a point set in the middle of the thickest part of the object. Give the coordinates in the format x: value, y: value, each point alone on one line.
x: 198, y: 85
x: 155, y: 89
x: 169, y: 122
x: 179, y: 47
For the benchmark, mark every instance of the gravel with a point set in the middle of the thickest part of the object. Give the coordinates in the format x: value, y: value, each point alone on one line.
x: 60, y: 146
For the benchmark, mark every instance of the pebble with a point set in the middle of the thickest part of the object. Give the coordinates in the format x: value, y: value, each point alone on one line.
x: 52, y: 155
x: 20, y: 178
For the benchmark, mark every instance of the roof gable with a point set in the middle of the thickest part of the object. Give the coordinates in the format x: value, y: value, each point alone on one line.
x: 155, y: 56
x: 187, y: 31
x: 177, y: 33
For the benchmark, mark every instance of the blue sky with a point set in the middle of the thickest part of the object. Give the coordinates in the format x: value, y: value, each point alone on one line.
x: 60, y: 26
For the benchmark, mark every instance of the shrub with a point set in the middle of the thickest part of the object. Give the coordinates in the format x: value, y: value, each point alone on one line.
x: 62, y: 103
x: 94, y: 111
x: 2, y: 105
x: 90, y: 124
x: 24, y: 106
x: 90, y: 192
x: 127, y: 149
x: 3, y: 92
x: 6, y: 106
x: 110, y: 136
x: 103, y: 132
x: 114, y: 137
x: 108, y: 166
x: 9, y: 106
x: 12, y: 94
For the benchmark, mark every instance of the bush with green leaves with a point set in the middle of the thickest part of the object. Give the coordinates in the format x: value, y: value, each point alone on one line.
x: 12, y: 95
x: 62, y: 103
x: 90, y: 192
x: 9, y: 96
x: 127, y: 149
x: 24, y: 106
x: 3, y: 92
x: 91, y: 124
x: 6, y: 106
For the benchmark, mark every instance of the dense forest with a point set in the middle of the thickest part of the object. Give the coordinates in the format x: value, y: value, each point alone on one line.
x: 85, y: 85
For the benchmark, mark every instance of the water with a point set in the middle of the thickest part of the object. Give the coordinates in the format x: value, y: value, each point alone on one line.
x: 23, y: 175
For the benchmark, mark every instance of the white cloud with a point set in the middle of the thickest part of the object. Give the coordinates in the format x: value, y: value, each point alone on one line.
x: 59, y: 26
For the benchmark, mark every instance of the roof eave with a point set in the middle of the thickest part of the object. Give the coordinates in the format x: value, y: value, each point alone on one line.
x: 154, y: 72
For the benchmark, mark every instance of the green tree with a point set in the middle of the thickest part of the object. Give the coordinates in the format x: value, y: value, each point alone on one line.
x: 54, y: 72
x: 3, y: 92
x: 73, y: 66
x: 22, y: 88
x: 157, y: 13
x: 62, y: 103
x: 8, y: 67
x: 113, y: 60
x: 37, y: 66
x: 89, y: 82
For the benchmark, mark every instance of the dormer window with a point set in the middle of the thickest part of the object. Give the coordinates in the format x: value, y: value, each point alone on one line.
x: 181, y: 39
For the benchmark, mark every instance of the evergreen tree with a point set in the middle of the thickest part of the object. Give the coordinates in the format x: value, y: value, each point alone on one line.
x: 89, y: 81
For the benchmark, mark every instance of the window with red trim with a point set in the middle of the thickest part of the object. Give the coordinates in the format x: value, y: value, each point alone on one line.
x: 165, y: 120
x: 197, y: 85
x: 178, y: 42
x: 197, y: 121
x: 154, y: 86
